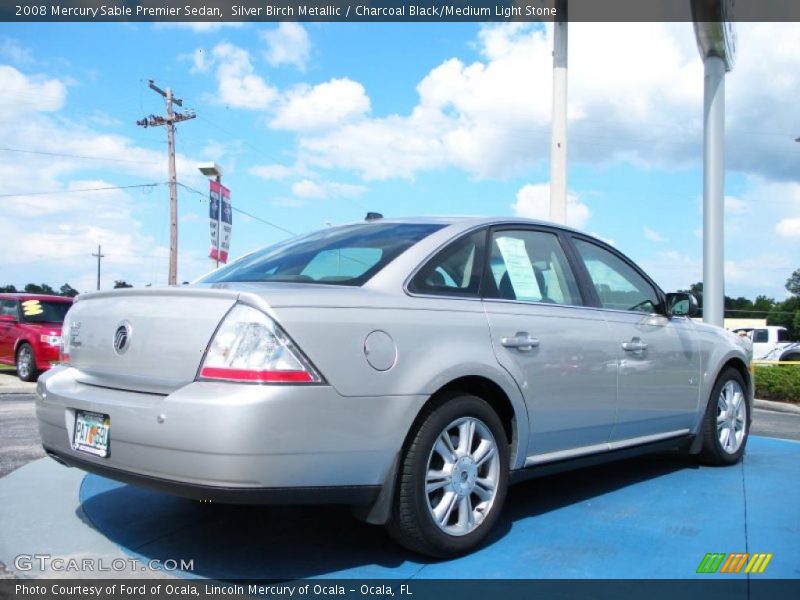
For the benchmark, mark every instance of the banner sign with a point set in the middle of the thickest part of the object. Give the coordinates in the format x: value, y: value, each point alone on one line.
x: 221, y: 221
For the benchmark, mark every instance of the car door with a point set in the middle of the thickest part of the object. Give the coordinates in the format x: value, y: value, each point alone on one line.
x: 659, y: 362
x: 8, y: 308
x: 559, y: 351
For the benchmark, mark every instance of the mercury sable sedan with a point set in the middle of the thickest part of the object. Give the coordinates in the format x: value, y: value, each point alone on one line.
x: 412, y: 368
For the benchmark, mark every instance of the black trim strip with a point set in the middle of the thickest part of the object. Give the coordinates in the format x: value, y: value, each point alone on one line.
x: 599, y: 458
x: 363, y: 494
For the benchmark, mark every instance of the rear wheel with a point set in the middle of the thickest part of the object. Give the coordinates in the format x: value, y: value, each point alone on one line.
x: 452, y: 480
x: 726, y: 425
x: 26, y: 363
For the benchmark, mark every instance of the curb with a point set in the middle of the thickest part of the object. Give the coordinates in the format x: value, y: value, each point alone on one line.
x: 17, y: 390
x: 783, y: 407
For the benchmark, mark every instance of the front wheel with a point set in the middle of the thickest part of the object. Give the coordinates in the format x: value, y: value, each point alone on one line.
x: 727, y: 421
x: 452, y: 480
x: 26, y: 363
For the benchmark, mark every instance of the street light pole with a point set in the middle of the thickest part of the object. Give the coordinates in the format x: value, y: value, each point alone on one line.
x: 558, y: 136
x: 716, y: 42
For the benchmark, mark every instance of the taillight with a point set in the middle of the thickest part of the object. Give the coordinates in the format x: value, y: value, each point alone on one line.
x: 251, y: 347
x: 50, y: 340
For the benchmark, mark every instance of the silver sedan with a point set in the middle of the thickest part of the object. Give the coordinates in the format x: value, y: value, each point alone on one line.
x: 412, y: 368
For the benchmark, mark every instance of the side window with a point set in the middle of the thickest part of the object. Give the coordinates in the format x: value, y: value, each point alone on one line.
x: 760, y: 336
x: 9, y: 308
x: 618, y: 285
x: 783, y: 335
x: 531, y: 266
x: 455, y: 271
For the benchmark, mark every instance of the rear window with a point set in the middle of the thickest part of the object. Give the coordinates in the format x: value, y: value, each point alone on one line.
x: 43, y: 311
x: 347, y: 255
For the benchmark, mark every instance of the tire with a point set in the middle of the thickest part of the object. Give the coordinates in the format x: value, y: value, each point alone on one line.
x: 468, y: 496
x: 726, y: 425
x: 26, y: 363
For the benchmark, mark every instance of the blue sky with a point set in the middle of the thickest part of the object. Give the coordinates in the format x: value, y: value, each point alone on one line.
x: 318, y: 123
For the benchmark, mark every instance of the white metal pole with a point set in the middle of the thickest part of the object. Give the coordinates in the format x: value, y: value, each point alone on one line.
x: 558, y: 143
x: 713, y: 192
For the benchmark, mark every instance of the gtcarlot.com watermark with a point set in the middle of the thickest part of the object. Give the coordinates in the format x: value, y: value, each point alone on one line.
x: 48, y: 562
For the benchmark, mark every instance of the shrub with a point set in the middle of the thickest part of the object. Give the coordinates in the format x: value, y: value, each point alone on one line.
x: 781, y: 383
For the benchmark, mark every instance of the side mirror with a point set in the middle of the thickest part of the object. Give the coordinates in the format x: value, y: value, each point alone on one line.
x: 681, y: 304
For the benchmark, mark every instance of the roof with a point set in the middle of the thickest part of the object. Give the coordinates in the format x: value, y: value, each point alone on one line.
x: 27, y: 296
x: 467, y: 221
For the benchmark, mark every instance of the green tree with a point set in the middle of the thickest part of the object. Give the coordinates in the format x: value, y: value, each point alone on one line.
x: 33, y: 288
x: 793, y: 283
x: 68, y: 291
x: 121, y: 283
x: 8, y: 289
x: 697, y: 290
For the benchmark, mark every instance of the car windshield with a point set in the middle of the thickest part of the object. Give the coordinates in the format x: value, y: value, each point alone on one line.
x: 44, y: 311
x: 347, y: 255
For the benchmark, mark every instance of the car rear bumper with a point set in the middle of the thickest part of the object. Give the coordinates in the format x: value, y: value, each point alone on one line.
x: 234, y: 442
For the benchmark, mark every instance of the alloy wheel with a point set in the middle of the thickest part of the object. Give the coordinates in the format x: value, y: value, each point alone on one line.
x: 462, y: 476
x: 731, y: 416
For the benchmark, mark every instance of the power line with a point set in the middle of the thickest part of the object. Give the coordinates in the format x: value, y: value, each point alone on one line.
x: 80, y: 156
x: 239, y: 139
x: 238, y: 210
x: 96, y: 189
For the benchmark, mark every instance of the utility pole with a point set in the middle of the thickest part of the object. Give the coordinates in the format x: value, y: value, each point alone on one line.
x: 99, y: 255
x: 558, y: 136
x: 170, y: 120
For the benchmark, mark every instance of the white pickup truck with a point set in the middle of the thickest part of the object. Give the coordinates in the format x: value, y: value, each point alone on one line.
x: 771, y: 341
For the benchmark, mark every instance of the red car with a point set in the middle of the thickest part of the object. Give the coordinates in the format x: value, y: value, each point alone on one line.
x: 30, y: 331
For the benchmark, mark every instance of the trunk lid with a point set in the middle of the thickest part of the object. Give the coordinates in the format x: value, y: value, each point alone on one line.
x: 168, y: 330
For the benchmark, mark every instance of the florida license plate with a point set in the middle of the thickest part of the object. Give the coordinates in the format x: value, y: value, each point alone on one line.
x: 91, y: 433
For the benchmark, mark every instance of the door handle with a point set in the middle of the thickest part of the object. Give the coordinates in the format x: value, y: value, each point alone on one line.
x: 635, y: 345
x: 522, y: 341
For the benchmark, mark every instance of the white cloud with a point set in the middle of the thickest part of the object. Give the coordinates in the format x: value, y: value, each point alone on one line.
x: 533, y: 202
x: 278, y: 172
x: 199, y: 59
x: 491, y: 117
x: 789, y: 228
x: 12, y: 50
x: 322, y: 106
x: 735, y: 206
x: 57, y: 230
x: 326, y: 189
x: 24, y: 93
x: 238, y: 85
x: 652, y: 235
x: 287, y: 44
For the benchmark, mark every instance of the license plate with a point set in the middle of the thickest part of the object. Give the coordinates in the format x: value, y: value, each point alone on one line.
x: 91, y: 433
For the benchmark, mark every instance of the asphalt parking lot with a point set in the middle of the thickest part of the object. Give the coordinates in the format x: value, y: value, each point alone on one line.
x: 658, y: 500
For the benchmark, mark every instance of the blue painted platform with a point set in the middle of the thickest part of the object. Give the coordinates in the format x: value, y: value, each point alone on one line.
x: 652, y: 517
